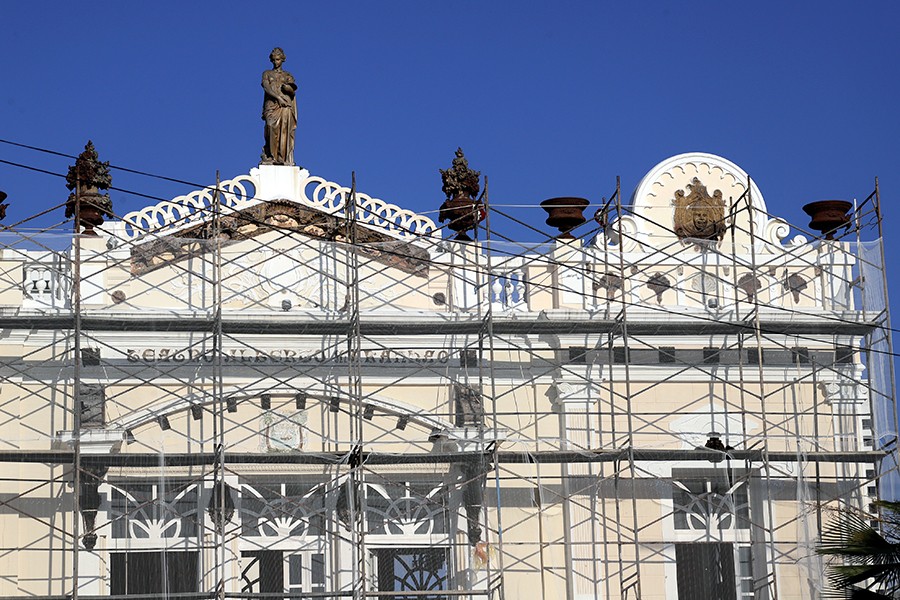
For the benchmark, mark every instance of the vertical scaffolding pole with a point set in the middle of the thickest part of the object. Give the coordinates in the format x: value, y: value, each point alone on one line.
x: 762, y: 401
x: 354, y: 391
x: 490, y: 336
x: 620, y: 559
x: 887, y: 327
x: 219, y: 400
x: 76, y: 384
x: 629, y: 418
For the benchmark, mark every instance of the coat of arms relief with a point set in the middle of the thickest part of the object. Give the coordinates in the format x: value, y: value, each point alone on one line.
x: 698, y: 215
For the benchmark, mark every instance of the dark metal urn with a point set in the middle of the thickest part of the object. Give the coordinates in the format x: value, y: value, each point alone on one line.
x: 94, y: 206
x: 565, y: 214
x: 463, y: 213
x: 828, y: 216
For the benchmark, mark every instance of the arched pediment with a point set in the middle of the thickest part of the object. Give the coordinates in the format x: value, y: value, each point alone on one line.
x: 718, y: 182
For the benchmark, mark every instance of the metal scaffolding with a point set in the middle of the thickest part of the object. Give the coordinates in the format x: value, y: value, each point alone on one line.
x: 273, y: 400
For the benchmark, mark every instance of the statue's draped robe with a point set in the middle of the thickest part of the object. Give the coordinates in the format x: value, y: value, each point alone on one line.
x: 281, y: 122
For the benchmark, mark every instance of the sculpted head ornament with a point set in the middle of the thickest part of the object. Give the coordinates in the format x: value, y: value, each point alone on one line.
x: 697, y: 214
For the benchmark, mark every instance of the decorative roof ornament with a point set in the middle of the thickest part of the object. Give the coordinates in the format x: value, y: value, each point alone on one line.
x: 698, y: 215
x: 90, y: 176
x: 828, y: 216
x: 460, y: 180
x: 279, y: 112
x: 89, y: 171
x: 462, y: 207
x: 565, y: 214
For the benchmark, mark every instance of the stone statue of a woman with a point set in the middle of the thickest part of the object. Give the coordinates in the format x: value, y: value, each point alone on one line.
x: 279, y: 112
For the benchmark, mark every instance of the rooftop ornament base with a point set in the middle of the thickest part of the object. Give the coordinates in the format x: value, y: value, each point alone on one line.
x: 828, y: 216
x: 464, y: 213
x: 565, y: 214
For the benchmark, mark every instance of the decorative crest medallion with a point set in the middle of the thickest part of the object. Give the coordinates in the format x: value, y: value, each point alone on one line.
x: 699, y: 215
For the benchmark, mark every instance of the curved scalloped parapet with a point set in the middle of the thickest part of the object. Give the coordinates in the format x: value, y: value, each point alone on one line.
x: 184, y: 210
x: 332, y: 198
x: 245, y: 191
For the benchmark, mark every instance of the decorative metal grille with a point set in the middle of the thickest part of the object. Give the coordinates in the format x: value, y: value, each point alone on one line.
x: 711, y: 505
x: 412, y: 569
x: 282, y: 510
x: 155, y: 511
x: 406, y: 509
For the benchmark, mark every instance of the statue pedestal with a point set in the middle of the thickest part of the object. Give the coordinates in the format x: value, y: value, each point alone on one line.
x: 278, y: 182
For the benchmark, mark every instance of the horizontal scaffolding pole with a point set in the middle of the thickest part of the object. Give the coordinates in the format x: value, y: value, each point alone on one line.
x: 374, y: 459
x: 851, y: 323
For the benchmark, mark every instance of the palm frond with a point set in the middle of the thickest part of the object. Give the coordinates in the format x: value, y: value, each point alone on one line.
x: 853, y: 538
x: 853, y: 593
x: 847, y: 575
x: 867, y: 555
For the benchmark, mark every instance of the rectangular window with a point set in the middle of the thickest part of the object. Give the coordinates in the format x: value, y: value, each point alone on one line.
x: 412, y: 569
x: 667, y: 354
x: 93, y: 401
x: 163, y: 573
x: 705, y: 571
x: 800, y: 354
x: 577, y: 355
x: 843, y: 354
x: 264, y: 571
x: 468, y: 358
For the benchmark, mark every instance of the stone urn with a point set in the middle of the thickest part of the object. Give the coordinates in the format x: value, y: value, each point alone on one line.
x: 565, y: 215
x: 461, y: 187
x: 88, y: 175
x: 94, y: 207
x: 463, y: 213
x: 828, y: 216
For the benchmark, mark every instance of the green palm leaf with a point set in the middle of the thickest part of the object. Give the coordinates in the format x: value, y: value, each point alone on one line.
x: 868, y: 557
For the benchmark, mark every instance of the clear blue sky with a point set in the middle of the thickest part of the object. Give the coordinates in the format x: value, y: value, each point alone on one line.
x: 545, y: 99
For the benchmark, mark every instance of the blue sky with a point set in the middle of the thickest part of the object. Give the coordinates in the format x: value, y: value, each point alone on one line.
x: 545, y: 99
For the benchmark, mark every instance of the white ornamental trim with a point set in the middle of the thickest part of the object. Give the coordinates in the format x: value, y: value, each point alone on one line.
x: 244, y: 191
x: 186, y: 210
x: 332, y: 198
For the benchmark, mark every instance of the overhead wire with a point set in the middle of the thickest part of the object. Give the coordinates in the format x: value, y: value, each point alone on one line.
x: 550, y: 238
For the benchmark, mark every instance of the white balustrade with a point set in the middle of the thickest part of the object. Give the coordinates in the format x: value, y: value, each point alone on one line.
x: 509, y: 290
x: 46, y: 285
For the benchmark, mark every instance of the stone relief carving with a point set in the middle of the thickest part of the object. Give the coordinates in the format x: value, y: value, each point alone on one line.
x: 658, y: 284
x: 697, y: 214
x: 704, y: 283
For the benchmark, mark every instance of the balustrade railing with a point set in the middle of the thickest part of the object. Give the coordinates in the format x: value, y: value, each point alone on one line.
x: 587, y: 279
x: 46, y: 284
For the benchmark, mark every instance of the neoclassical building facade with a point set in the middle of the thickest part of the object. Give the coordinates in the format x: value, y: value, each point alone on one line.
x: 285, y: 387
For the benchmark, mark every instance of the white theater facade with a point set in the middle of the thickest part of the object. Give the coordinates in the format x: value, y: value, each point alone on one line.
x: 278, y: 397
